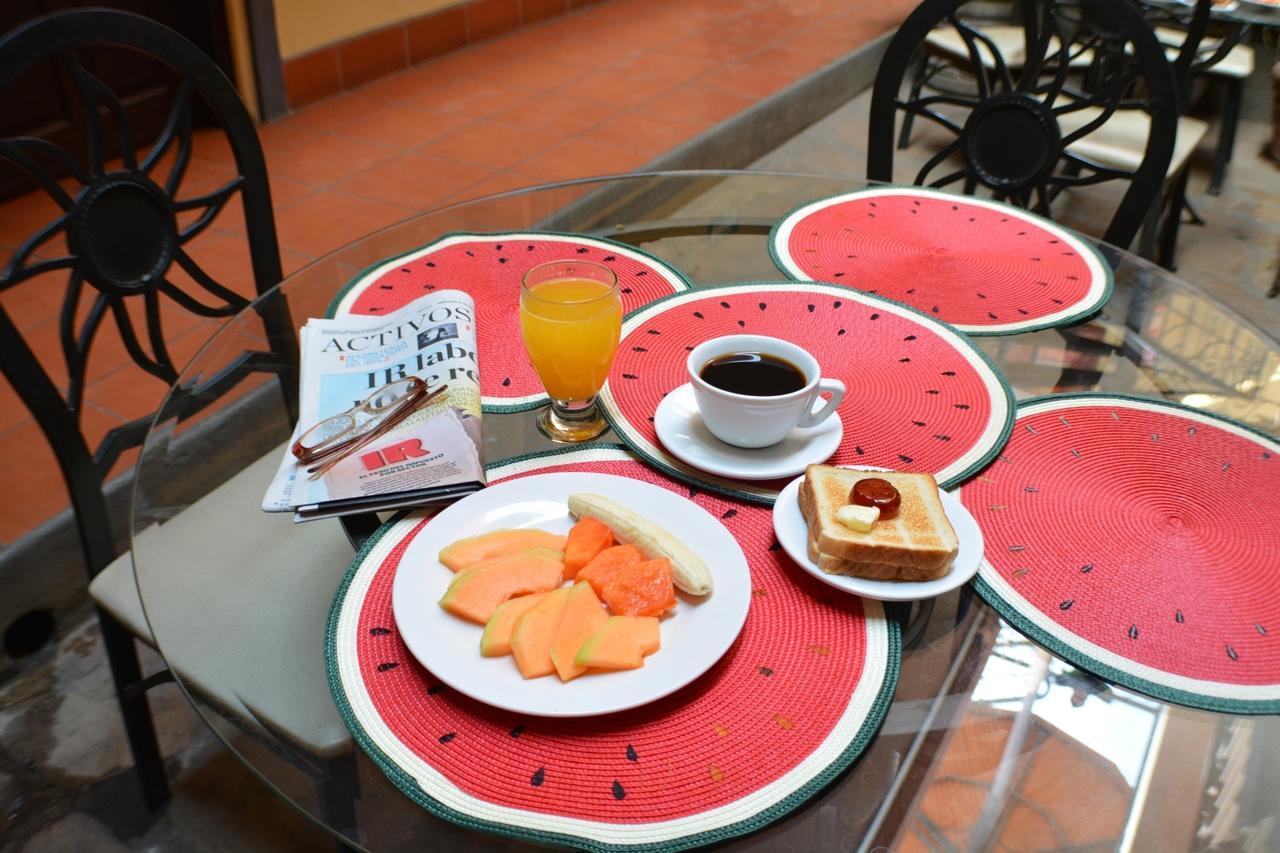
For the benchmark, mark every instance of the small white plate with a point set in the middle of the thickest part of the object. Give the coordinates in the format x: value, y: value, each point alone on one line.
x: 682, y: 432
x: 793, y: 535
x: 694, y: 637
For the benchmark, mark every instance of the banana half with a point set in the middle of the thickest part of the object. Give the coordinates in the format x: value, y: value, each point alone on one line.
x: 688, y: 570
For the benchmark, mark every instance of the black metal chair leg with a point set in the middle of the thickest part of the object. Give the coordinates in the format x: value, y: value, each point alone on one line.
x: 917, y: 83
x: 339, y: 789
x: 1173, y: 218
x: 1226, y: 134
x: 139, y: 729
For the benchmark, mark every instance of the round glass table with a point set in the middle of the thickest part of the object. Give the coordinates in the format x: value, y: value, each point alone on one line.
x: 990, y: 739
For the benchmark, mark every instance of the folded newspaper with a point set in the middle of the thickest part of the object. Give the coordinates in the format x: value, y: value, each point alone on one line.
x: 434, y: 455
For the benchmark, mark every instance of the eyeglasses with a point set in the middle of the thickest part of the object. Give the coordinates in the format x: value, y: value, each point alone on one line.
x: 337, y: 437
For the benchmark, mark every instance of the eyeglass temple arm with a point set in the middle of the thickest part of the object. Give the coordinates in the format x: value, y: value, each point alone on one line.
x: 320, y: 470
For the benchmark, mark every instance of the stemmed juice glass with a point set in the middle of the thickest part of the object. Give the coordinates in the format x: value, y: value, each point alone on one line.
x: 571, y: 317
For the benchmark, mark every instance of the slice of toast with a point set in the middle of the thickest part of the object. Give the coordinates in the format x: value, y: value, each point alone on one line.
x: 873, y: 571
x: 919, y: 539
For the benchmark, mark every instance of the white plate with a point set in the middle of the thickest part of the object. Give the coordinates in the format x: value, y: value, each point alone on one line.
x: 693, y: 638
x: 793, y: 535
x: 682, y: 432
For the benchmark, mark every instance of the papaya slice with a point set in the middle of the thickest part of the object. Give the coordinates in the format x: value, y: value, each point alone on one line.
x: 606, y: 564
x: 641, y: 589
x: 583, y: 616
x: 588, y: 538
x: 466, y: 552
x: 476, y: 592
x: 496, y: 639
x: 534, y: 632
x: 621, y: 643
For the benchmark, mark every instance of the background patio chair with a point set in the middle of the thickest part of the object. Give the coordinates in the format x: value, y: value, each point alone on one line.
x: 127, y: 225
x: 1031, y: 128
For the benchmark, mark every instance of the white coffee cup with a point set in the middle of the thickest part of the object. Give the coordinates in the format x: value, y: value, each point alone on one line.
x: 748, y: 421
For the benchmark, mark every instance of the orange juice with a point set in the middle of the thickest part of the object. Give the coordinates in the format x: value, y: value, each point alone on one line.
x: 571, y: 328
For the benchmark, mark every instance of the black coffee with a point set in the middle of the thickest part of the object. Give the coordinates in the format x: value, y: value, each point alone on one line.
x: 755, y: 374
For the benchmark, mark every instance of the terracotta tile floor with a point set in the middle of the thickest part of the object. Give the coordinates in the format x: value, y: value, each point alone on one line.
x: 605, y: 89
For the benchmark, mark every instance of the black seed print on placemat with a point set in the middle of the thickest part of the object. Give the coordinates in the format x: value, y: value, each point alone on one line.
x: 763, y: 305
x: 982, y: 296
x: 517, y: 731
x: 906, y: 459
x: 641, y: 272
x: 904, y: 360
x: 502, y: 260
x: 811, y: 308
x: 619, y: 792
x: 948, y: 373
x: 775, y: 546
x: 1261, y: 630
x: 626, y: 290
x: 858, y: 450
x: 875, y: 316
x: 498, y: 248
x: 638, y: 349
x: 933, y: 391
x: 724, y: 304
x: 631, y: 753
x: 836, y: 304
x: 764, y: 670
x: 841, y: 275
x: 1066, y: 605
x: 528, y: 248
x: 729, y: 513
x: 539, y: 776
x: 583, y: 251
x: 688, y: 349
x: 909, y: 338
x: 840, y: 333
x: 964, y: 406
x: 470, y: 254
x: 445, y: 738
x: 941, y: 437
x: 435, y: 689
x: 431, y: 263
x: 919, y: 423
x: 1178, y: 617
x: 610, y: 258
x: 1231, y: 653
x: 698, y: 314
x: 379, y: 632
x: 1133, y: 632
x: 742, y: 324
x: 387, y: 667
x: 629, y: 376
x: 653, y: 332
x: 506, y: 382
x: 1086, y: 568
x: 386, y: 287
x: 405, y: 269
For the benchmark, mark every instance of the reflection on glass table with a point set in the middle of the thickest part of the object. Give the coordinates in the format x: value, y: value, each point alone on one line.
x: 989, y: 741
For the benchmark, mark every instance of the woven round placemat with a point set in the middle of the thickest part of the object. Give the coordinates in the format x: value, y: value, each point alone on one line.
x: 921, y: 396
x: 985, y: 267
x: 1138, y: 540
x: 791, y: 705
x: 489, y: 267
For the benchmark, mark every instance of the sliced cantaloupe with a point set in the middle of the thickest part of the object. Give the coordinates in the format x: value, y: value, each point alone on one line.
x: 496, y: 639
x: 606, y: 564
x: 534, y: 631
x: 583, y: 615
x: 621, y: 643
x: 641, y: 589
x: 588, y: 538
x: 476, y: 592
x: 466, y: 552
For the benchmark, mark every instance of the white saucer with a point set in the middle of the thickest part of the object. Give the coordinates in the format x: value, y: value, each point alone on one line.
x: 686, y: 437
x: 793, y: 535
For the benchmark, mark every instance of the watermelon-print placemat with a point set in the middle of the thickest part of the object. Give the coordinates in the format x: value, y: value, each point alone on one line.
x: 985, y: 267
x: 792, y: 703
x: 1139, y: 540
x: 921, y: 396
x: 490, y: 267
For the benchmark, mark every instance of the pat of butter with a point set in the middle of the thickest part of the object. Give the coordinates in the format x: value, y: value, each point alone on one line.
x: 859, y: 518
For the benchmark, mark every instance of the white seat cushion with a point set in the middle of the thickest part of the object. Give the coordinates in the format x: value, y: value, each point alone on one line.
x: 1009, y: 40
x: 1121, y: 141
x: 240, y: 599
x: 1237, y: 63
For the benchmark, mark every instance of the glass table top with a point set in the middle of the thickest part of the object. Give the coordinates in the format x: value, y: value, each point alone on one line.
x: 990, y: 739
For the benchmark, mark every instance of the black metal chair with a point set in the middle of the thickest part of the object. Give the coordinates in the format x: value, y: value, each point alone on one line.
x: 1018, y: 134
x: 127, y: 228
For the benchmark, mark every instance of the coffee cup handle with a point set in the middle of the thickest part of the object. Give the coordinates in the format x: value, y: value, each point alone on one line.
x: 811, y: 418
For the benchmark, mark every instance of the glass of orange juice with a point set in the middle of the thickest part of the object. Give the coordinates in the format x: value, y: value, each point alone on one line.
x: 571, y: 316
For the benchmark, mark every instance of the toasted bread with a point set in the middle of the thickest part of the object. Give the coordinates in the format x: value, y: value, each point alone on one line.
x: 918, y: 544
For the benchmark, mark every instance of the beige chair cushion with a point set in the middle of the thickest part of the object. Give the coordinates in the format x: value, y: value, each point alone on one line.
x: 1237, y: 63
x: 1009, y: 40
x: 1122, y: 140
x: 239, y: 599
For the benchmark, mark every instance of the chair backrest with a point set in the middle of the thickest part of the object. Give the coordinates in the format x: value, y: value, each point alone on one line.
x: 1012, y: 132
x: 126, y: 227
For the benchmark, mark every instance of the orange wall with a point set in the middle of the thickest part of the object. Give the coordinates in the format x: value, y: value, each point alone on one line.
x: 306, y: 25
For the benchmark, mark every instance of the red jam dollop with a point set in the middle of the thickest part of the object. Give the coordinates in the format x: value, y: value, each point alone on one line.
x: 876, y: 492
